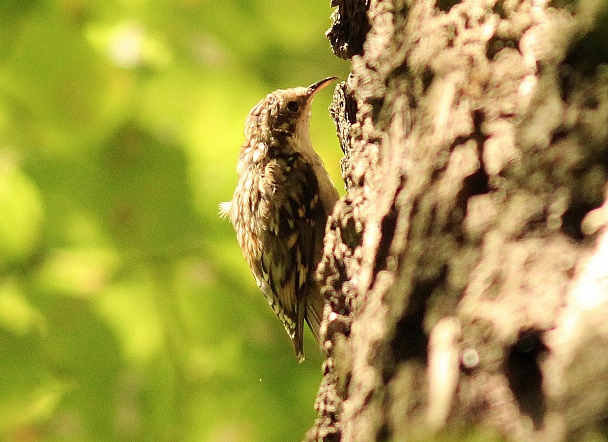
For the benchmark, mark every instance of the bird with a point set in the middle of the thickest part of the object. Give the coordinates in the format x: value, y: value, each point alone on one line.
x: 280, y: 207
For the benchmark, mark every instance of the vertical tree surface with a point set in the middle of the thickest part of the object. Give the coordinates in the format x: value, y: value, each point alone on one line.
x: 467, y: 267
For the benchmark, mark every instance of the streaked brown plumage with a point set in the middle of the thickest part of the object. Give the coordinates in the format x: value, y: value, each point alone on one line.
x: 280, y: 207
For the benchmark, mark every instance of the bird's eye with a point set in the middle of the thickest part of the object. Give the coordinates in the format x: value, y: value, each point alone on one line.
x: 293, y: 106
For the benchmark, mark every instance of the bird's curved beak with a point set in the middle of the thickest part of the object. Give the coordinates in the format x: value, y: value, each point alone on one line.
x: 313, y: 88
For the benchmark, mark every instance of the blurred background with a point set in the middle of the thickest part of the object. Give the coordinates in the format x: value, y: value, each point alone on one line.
x: 126, y: 309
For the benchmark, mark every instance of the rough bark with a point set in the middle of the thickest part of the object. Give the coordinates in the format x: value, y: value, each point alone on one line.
x: 467, y: 267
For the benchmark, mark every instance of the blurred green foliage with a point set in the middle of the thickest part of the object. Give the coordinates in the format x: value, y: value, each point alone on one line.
x: 126, y: 309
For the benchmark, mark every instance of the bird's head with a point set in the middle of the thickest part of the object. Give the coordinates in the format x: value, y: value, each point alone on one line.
x: 283, y: 115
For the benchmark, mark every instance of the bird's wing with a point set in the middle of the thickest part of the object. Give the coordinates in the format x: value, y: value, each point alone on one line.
x: 289, y: 247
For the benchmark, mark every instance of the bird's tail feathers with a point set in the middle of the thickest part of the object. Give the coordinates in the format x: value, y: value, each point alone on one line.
x: 314, y: 312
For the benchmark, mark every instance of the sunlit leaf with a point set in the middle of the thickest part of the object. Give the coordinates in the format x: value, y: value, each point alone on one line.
x: 21, y: 212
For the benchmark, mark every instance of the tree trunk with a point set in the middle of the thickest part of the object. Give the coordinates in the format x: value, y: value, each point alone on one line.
x: 467, y: 267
